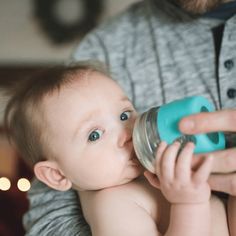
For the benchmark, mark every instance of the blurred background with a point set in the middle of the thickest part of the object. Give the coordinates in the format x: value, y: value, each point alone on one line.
x: 35, y: 33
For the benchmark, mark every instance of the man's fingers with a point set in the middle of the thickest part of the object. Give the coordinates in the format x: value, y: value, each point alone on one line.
x: 206, y: 122
x: 223, y: 183
x: 224, y: 161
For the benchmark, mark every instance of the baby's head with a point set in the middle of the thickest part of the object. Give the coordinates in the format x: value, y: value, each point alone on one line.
x: 73, y: 125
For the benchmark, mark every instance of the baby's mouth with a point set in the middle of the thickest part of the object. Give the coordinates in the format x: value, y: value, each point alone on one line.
x: 134, y: 158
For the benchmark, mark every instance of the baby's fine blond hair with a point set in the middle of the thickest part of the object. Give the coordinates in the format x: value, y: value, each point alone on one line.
x: 24, y: 115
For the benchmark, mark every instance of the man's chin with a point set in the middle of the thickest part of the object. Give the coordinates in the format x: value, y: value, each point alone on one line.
x: 198, y: 7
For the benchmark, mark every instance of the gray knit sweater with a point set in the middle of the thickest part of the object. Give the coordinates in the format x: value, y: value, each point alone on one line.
x: 157, y: 53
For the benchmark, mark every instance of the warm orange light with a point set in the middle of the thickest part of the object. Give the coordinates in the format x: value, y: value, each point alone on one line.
x: 5, y: 184
x: 23, y: 184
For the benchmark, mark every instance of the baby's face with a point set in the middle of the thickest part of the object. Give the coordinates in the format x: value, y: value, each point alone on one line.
x: 90, y: 133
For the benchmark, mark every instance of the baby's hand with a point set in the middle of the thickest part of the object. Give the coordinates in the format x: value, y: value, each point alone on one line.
x: 177, y: 181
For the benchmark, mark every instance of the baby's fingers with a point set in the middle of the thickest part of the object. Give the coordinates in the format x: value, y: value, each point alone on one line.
x: 152, y: 179
x: 159, y: 156
x: 204, y: 170
x: 168, y: 162
x: 183, y: 166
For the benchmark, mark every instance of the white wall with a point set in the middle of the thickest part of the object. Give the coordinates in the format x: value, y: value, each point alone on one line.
x: 21, y: 39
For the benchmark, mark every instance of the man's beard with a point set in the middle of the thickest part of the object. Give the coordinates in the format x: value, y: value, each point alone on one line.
x: 198, y: 6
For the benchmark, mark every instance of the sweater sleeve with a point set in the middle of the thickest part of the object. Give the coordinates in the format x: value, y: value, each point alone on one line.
x: 53, y: 212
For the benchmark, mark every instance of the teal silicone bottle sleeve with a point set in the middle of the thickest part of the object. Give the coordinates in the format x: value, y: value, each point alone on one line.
x: 170, y: 114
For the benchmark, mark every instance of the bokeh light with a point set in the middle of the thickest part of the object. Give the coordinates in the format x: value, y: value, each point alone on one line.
x: 5, y: 184
x: 23, y: 184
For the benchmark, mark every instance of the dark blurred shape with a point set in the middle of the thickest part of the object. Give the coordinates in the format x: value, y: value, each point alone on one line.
x: 58, y: 30
x: 11, y: 75
x: 13, y: 205
x: 13, y: 202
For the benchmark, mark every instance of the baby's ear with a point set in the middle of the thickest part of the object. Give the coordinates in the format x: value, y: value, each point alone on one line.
x: 49, y: 173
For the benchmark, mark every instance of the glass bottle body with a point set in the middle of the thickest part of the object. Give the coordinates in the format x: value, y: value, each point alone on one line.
x: 161, y: 124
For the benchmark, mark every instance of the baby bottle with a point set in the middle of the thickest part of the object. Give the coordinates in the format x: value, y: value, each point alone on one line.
x: 161, y: 124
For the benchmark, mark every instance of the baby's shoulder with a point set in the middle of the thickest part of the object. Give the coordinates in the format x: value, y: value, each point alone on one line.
x: 137, y: 191
x: 136, y: 196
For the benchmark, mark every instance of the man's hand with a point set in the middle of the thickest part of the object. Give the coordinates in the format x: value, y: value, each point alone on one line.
x: 224, y: 164
x: 205, y: 122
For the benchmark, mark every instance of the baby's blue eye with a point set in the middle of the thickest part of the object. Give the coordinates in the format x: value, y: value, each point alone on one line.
x: 95, y: 135
x: 125, y: 115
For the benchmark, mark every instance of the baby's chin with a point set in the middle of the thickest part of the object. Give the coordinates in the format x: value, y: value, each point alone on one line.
x: 137, y: 171
x: 137, y: 165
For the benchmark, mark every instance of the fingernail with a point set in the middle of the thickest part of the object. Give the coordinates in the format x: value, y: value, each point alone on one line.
x: 191, y: 144
x: 162, y: 144
x: 188, y: 124
x: 176, y: 143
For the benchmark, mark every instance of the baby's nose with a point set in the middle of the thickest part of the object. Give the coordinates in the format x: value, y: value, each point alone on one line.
x: 125, y: 137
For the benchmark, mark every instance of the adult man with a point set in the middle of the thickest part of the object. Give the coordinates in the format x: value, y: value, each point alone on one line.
x: 158, y: 52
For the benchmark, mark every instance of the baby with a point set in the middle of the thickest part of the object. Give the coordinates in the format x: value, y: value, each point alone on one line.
x: 73, y: 125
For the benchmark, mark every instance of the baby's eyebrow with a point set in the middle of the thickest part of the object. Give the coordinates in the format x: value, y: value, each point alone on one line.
x: 125, y: 99
x: 82, y: 122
